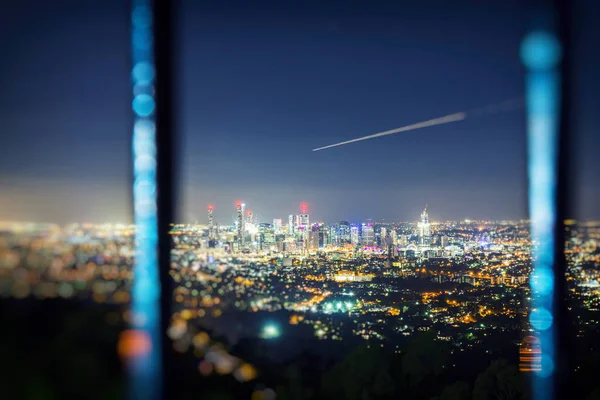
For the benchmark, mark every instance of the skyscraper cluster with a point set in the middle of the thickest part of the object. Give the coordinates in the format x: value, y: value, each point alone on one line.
x: 299, y: 235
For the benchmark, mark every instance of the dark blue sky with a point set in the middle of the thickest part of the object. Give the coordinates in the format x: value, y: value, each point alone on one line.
x: 261, y: 86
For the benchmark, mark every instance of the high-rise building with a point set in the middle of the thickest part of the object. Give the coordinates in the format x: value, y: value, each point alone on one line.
x: 243, y: 220
x: 240, y: 224
x: 303, y: 220
x: 250, y: 217
x: 387, y: 243
x: 333, y: 235
x: 277, y: 226
x: 323, y: 236
x: 403, y: 240
x: 266, y: 236
x: 291, y: 227
x: 394, y: 236
x: 344, y: 232
x: 383, y: 233
x: 211, y: 227
x: 313, y: 238
x: 444, y: 241
x: 424, y: 229
x: 354, y: 235
x: 368, y: 234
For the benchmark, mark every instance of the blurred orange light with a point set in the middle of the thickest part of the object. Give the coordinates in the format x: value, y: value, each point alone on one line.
x: 133, y: 343
x: 246, y: 372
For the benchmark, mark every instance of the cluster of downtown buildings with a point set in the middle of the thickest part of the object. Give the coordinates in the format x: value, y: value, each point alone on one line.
x: 297, y: 235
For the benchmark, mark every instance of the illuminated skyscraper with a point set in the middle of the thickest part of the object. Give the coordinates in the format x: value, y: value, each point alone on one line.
x: 386, y: 242
x: 403, y: 240
x: 354, y: 235
x: 444, y: 241
x: 324, y: 239
x: 266, y: 236
x: 303, y: 220
x: 240, y: 224
x: 424, y: 229
x: 313, y: 238
x: 277, y: 226
x: 291, y: 227
x: 250, y: 217
x: 368, y: 235
x: 243, y: 220
x: 344, y: 234
x: 394, y: 236
x: 211, y: 226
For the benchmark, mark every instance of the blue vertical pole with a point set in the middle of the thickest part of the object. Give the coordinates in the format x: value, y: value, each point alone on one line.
x: 164, y: 60
x: 543, y: 54
x: 145, y: 361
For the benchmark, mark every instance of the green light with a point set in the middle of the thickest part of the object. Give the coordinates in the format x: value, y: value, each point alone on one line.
x: 270, y: 331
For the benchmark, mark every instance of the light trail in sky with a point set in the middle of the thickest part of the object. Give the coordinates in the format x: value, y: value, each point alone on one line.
x: 493, y: 109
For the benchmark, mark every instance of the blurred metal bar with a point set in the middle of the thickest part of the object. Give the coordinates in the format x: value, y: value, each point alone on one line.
x: 142, y: 345
x: 565, y: 338
x: 146, y: 346
x: 164, y: 59
x: 546, y: 55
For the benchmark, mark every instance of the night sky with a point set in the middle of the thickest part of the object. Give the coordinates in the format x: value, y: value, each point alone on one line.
x: 260, y: 86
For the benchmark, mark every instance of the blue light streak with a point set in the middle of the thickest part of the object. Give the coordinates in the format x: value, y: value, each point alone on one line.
x: 145, y: 368
x: 541, y: 53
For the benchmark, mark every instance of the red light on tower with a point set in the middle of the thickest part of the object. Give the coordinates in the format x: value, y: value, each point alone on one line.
x: 239, y: 204
x: 210, y: 207
x: 303, y: 208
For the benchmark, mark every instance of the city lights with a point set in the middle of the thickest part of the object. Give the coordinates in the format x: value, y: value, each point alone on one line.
x: 334, y: 287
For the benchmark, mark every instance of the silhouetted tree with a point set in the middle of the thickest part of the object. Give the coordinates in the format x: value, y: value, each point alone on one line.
x: 423, y: 360
x: 364, y: 374
x: 500, y: 381
x: 456, y: 391
x: 295, y: 387
x: 595, y: 395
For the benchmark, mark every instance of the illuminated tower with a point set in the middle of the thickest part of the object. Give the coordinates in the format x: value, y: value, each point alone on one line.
x: 387, y: 242
x: 277, y: 226
x: 303, y: 227
x: 444, y: 241
x: 211, y: 221
x: 344, y: 232
x: 394, y: 236
x: 424, y: 229
x: 243, y: 220
x: 368, y: 235
x: 303, y: 220
x: 354, y: 235
x: 240, y: 223
x: 403, y: 240
x: 291, y: 224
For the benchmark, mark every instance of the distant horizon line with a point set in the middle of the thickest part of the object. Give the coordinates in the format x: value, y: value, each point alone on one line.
x: 567, y: 221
